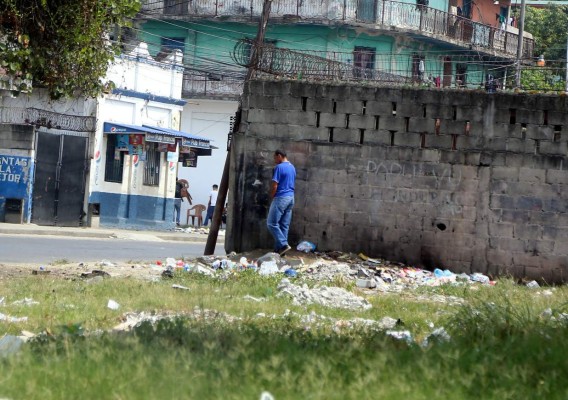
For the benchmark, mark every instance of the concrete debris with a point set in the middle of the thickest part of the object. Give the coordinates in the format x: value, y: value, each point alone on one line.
x: 438, y: 335
x: 25, y: 302
x: 251, y: 298
x: 8, y: 318
x: 325, y: 296
x: 10, y: 344
x: 175, y: 286
x: 113, y: 305
x: 132, y: 319
x: 400, y: 335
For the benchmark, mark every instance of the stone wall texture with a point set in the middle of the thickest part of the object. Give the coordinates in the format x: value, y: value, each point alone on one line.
x: 464, y: 180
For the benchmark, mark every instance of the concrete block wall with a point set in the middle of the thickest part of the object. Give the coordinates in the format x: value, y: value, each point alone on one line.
x: 464, y: 180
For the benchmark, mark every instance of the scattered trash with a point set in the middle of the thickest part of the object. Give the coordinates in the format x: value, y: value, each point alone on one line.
x: 168, y: 273
x: 4, y: 317
x: 175, y: 286
x: 113, y: 305
x: 40, y: 271
x: 477, y: 277
x: 400, y: 335
x: 95, y: 273
x: 533, y: 285
x: 366, y: 283
x: 371, y: 260
x: 25, y: 302
x: 291, y: 272
x: 106, y: 263
x: 266, y: 396
x: 268, y: 268
x: 306, y: 247
x: 257, y: 299
x: 10, y: 344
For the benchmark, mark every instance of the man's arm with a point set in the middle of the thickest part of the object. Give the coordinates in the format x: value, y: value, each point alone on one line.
x: 273, y: 188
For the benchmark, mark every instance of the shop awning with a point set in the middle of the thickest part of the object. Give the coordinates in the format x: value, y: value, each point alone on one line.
x: 188, y: 139
x: 161, y: 135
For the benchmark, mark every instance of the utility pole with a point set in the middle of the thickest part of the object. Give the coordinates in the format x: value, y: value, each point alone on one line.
x: 520, y: 45
x: 566, y: 63
x: 224, y: 184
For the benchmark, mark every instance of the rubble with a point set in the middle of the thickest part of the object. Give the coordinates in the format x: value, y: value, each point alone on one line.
x: 326, y: 296
x: 8, y: 318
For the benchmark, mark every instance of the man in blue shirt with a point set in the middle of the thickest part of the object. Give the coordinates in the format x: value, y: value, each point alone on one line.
x: 282, y: 194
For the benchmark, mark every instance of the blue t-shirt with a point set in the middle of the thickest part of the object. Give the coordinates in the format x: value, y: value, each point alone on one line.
x: 285, y: 175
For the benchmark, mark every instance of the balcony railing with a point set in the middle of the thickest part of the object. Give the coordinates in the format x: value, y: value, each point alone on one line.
x: 382, y: 14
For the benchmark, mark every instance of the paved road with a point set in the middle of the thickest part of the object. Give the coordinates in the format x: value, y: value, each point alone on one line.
x: 44, y: 249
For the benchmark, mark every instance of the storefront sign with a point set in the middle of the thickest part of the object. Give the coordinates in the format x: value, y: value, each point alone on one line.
x: 204, y: 144
x: 156, y: 137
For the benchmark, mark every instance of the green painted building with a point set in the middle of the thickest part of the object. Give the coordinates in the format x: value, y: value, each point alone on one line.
x: 446, y: 43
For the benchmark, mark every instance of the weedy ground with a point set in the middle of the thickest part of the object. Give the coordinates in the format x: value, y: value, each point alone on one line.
x: 507, y: 342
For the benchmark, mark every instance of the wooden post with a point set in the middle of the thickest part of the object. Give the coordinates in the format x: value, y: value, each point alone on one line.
x: 224, y: 184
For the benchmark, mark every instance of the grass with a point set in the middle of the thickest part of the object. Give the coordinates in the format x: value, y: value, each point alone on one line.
x: 501, y: 347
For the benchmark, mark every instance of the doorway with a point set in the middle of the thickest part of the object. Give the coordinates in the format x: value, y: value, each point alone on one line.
x: 59, y: 186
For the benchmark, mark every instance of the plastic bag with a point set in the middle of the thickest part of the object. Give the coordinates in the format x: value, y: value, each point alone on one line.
x: 306, y: 246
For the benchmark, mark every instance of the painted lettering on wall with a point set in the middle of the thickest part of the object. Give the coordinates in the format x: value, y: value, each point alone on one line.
x: 14, y: 169
x: 444, y: 200
x: 392, y: 169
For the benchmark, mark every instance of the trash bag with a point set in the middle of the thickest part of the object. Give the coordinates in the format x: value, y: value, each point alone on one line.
x: 306, y: 246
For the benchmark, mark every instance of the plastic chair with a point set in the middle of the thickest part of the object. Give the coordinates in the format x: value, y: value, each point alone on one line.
x: 197, y: 213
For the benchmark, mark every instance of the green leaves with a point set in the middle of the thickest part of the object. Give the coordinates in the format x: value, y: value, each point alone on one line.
x: 61, y: 44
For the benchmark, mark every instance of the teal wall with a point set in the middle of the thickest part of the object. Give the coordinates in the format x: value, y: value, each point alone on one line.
x: 208, y: 45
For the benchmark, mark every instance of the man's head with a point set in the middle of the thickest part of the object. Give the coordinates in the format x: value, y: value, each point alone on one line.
x: 279, y: 156
x: 215, y: 187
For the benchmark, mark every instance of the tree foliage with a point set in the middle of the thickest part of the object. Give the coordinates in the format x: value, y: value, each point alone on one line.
x: 548, y: 27
x: 60, y: 44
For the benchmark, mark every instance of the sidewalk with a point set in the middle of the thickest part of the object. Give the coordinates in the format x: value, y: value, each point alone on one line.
x: 102, y: 233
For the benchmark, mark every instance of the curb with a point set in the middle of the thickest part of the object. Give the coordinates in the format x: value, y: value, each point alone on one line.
x: 104, y: 235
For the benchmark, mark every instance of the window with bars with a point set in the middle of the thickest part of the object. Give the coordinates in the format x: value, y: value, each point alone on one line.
x: 114, y: 164
x: 363, y: 62
x: 152, y: 165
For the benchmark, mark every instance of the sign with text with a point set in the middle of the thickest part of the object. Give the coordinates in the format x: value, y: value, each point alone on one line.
x: 14, y: 175
x: 158, y: 138
x: 203, y: 144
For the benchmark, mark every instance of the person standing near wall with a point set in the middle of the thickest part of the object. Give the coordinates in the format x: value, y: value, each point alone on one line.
x: 211, y: 205
x: 181, y: 192
x: 282, y: 194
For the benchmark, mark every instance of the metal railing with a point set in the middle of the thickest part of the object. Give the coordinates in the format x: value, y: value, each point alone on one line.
x: 382, y: 14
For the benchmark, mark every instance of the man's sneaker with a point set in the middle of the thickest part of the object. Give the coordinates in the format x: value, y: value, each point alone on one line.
x: 284, y: 250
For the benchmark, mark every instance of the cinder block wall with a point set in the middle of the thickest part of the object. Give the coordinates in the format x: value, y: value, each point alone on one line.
x: 464, y: 180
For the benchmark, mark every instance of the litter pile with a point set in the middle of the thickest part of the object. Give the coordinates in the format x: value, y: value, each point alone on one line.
x: 370, y: 273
